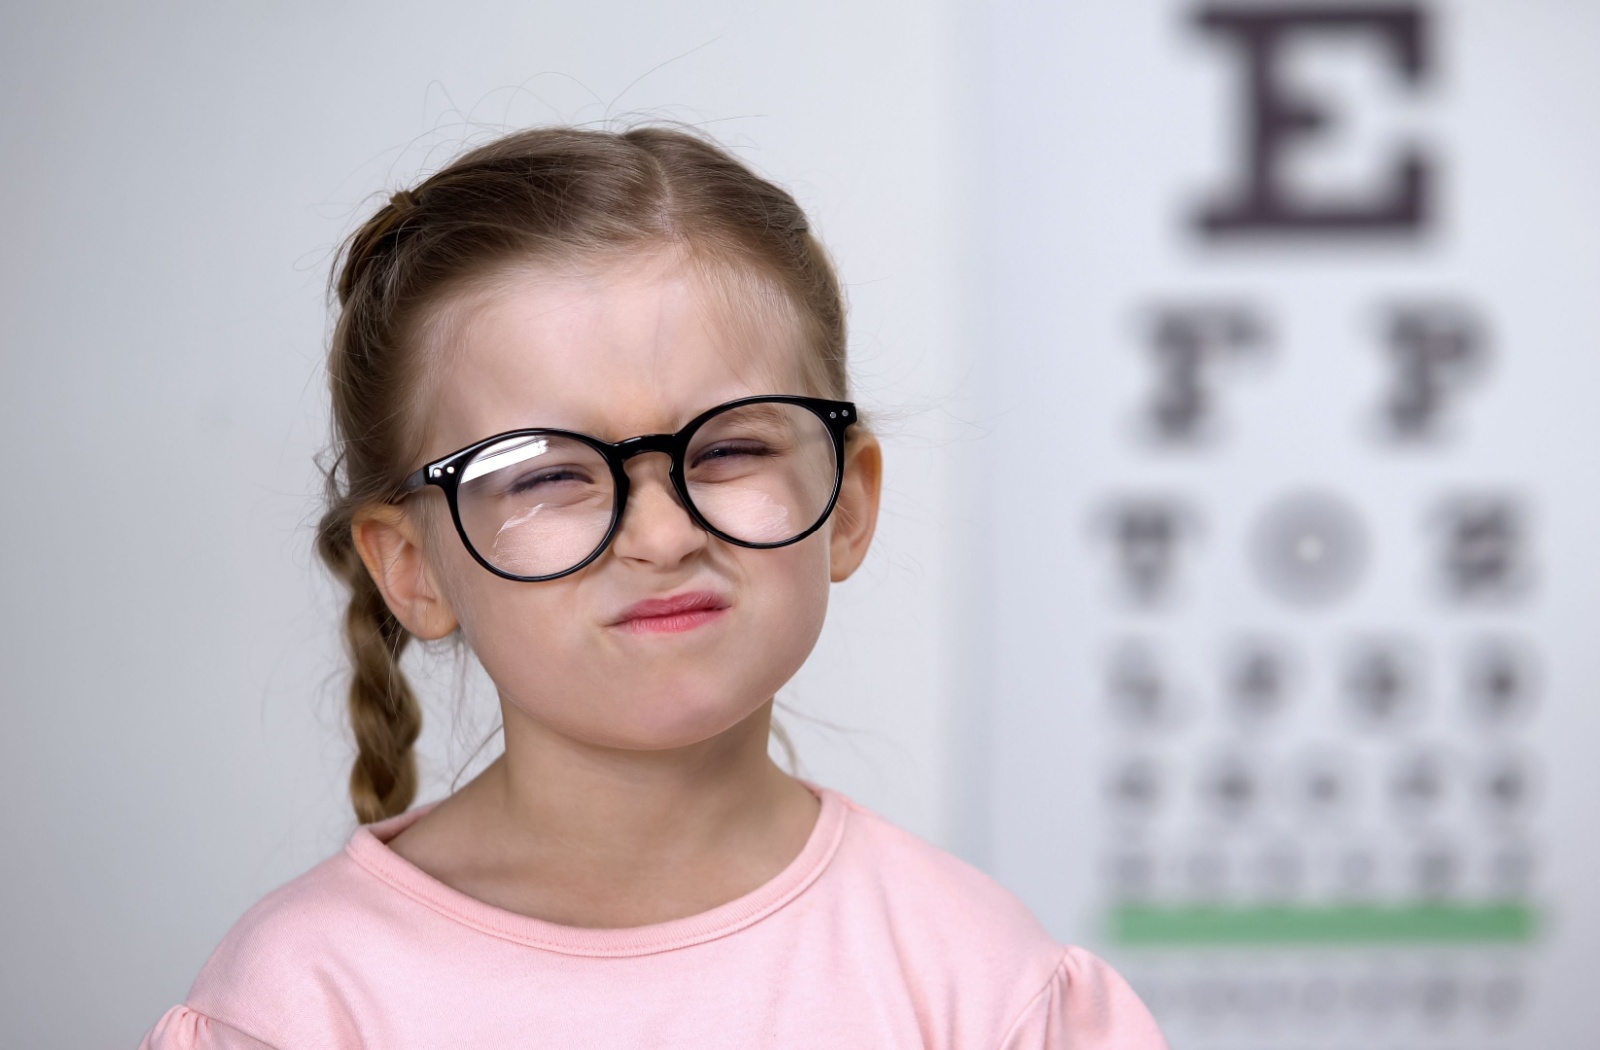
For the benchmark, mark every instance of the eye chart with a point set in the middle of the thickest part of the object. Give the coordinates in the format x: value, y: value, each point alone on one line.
x: 1293, y: 356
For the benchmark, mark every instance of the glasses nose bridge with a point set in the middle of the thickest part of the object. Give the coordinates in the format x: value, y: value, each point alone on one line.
x: 638, y: 446
x: 666, y: 444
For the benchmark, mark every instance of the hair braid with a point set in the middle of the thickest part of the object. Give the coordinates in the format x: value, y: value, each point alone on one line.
x: 383, y: 709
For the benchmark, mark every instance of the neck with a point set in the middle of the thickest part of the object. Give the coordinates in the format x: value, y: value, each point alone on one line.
x: 593, y: 836
x: 625, y: 803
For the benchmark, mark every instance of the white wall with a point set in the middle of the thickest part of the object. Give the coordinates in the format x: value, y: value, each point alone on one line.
x: 175, y: 180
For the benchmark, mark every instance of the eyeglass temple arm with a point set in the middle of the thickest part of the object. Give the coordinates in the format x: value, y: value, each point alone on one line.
x: 414, y: 481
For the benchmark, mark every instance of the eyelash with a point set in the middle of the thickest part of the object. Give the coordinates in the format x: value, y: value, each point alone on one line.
x: 524, y: 484
x: 749, y: 449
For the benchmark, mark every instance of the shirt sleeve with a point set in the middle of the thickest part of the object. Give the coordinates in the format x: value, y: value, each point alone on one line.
x: 182, y: 1028
x: 1086, y: 1005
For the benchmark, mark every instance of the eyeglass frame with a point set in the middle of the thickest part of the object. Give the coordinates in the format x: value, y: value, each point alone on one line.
x: 442, y: 473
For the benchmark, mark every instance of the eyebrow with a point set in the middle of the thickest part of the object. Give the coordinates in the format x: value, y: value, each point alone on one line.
x: 762, y: 413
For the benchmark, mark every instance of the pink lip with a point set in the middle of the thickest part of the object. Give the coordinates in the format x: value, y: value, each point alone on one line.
x: 680, y: 612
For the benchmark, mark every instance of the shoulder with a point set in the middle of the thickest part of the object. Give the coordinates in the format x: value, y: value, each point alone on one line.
x: 971, y: 946
x: 965, y: 948
x: 283, y: 972
x: 973, y: 955
x: 184, y: 1028
x: 939, y: 894
x: 1085, y: 1005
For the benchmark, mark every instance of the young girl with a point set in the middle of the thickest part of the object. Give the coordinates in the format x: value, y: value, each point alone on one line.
x: 591, y: 409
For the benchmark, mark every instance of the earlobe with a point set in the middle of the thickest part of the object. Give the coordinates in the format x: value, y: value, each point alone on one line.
x: 855, y: 516
x: 391, y: 549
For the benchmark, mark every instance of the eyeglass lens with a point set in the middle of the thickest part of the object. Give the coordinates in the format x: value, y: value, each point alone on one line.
x: 536, y: 505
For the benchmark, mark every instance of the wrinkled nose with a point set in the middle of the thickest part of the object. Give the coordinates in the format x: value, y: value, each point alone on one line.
x: 656, y: 528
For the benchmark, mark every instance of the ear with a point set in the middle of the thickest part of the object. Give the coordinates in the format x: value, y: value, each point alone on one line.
x: 855, y: 516
x: 390, y: 546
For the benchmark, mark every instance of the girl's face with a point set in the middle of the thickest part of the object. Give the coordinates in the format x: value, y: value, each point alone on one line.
x: 635, y: 348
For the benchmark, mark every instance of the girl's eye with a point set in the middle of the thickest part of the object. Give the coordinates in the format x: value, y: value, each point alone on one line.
x: 546, y: 479
x: 732, y: 450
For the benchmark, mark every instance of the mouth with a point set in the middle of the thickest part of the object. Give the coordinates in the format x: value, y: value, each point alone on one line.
x: 673, y: 614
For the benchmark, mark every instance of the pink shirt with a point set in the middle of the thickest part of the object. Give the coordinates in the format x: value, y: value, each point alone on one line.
x: 870, y: 938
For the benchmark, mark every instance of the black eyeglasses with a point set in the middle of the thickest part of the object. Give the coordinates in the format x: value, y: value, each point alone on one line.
x: 538, y: 504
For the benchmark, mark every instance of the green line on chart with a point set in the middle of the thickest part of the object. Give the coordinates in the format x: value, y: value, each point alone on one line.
x: 1145, y: 924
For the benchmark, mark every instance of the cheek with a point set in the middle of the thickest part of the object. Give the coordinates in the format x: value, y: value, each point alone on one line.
x: 790, y: 590
x: 526, y: 637
x: 484, y: 604
x: 454, y: 570
x: 533, y: 641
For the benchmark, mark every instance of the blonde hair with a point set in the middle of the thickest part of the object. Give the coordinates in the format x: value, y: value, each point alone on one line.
x: 541, y: 195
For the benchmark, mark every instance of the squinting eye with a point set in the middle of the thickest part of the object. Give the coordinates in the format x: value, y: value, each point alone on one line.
x: 728, y: 450
x: 546, y: 478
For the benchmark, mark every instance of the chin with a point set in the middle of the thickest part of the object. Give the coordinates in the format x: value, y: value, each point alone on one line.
x: 645, y: 711
x: 657, y: 719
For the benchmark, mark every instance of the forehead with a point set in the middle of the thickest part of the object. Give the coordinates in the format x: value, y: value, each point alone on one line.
x: 633, y: 347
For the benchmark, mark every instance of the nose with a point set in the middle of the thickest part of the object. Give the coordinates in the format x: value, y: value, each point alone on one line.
x: 655, y: 528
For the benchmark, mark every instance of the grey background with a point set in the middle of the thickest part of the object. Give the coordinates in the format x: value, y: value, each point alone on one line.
x: 176, y: 177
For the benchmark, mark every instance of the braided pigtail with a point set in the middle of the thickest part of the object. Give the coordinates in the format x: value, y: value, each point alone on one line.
x: 372, y: 382
x: 381, y: 705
